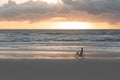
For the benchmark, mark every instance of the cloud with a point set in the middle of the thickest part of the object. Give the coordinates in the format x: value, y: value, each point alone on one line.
x: 94, y: 6
x: 105, y: 10
x: 70, y: 10
x: 30, y: 11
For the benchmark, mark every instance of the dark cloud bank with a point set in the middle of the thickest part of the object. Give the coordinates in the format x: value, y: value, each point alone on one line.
x: 75, y: 10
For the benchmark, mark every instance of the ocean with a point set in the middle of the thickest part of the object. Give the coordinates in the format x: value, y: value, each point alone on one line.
x: 59, y: 44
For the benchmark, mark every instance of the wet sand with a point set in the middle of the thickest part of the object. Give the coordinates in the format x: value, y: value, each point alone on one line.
x: 61, y: 69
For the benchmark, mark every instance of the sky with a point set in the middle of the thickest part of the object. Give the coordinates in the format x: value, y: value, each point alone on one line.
x: 59, y: 14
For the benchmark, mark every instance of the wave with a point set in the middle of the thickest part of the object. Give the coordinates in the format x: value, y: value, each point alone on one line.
x: 59, y: 35
x: 60, y: 43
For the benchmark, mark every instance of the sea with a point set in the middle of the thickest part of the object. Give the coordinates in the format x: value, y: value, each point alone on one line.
x: 59, y: 44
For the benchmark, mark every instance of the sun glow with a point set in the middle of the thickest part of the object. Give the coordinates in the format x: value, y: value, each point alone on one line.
x: 73, y: 25
x: 51, y: 1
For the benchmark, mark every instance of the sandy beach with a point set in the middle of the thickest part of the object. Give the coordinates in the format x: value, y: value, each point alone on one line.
x: 53, y: 69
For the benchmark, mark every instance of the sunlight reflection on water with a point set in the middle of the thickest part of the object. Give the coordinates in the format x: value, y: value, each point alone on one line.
x: 55, y: 55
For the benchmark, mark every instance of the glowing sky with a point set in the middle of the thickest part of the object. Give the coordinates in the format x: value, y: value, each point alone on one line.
x: 59, y: 14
